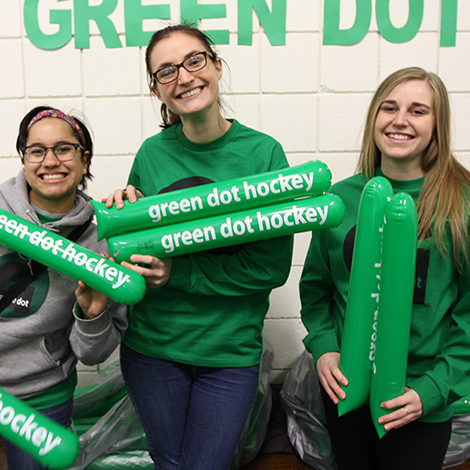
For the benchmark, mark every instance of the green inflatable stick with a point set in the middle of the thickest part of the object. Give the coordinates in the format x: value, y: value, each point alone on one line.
x: 395, y: 304
x: 358, y: 340
x: 461, y: 406
x: 45, y: 440
x: 310, y: 179
x: 230, y: 229
x: 52, y: 250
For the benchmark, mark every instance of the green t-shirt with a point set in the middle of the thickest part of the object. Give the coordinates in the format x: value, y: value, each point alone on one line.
x: 212, y: 310
x: 55, y: 395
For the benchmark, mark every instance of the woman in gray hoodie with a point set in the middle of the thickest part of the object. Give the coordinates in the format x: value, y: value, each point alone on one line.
x: 53, y: 322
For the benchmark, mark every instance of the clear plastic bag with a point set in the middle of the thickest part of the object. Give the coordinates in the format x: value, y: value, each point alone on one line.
x: 106, y: 421
x: 459, y: 445
x: 256, y: 426
x: 112, y: 437
x: 301, y: 401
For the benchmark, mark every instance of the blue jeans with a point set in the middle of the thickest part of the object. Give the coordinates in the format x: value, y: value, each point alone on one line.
x: 19, y: 460
x: 193, y: 416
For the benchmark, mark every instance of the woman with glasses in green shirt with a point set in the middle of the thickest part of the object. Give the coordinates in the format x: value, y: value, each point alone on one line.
x: 191, y: 355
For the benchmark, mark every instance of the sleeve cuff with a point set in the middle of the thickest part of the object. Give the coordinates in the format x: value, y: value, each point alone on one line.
x: 321, y: 345
x: 428, y: 391
x: 93, y: 325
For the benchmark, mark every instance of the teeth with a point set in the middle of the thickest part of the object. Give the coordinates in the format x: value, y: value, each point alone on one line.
x: 400, y: 136
x: 191, y: 93
x: 53, y: 177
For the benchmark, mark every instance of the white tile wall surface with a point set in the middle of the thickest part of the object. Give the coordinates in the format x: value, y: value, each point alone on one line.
x: 310, y: 97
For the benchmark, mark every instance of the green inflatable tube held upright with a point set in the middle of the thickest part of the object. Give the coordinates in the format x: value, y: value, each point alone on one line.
x: 395, y: 304
x: 358, y: 335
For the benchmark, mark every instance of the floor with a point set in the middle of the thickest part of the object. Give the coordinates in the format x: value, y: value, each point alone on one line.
x: 276, y: 452
x: 291, y: 462
x: 262, y: 462
x: 276, y: 462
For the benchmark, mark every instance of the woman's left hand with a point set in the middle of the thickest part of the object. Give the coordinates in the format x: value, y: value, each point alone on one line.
x: 92, y: 302
x: 409, y: 408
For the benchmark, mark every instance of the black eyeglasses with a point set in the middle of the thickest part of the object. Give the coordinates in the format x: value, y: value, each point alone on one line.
x: 64, y: 152
x: 193, y: 63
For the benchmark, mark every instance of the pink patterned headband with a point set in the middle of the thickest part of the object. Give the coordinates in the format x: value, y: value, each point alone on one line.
x: 54, y: 113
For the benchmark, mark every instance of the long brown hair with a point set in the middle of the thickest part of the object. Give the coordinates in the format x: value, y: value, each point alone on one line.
x: 169, y: 118
x: 444, y: 199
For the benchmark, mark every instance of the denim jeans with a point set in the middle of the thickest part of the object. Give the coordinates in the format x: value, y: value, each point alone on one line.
x: 19, y: 460
x: 193, y: 416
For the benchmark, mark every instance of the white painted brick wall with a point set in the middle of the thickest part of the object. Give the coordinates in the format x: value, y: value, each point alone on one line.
x: 312, y: 98
x: 287, y: 71
x: 351, y: 69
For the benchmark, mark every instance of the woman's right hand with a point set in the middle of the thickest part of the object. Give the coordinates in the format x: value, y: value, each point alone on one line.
x: 120, y: 195
x: 156, y: 271
x: 330, y: 374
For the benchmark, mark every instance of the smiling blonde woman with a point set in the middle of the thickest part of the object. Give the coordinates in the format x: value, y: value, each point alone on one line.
x: 406, y: 140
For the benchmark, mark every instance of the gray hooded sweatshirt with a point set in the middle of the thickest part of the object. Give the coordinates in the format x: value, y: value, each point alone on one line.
x: 41, y: 339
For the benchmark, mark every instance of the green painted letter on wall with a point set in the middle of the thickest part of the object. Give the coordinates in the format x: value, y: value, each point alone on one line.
x: 134, y: 14
x: 333, y: 36
x: 192, y: 12
x: 407, y: 32
x: 273, y: 22
x: 448, y: 22
x: 100, y: 15
x: 47, y: 41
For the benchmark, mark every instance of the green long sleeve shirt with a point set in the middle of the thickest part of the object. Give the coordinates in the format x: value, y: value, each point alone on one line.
x: 439, y: 352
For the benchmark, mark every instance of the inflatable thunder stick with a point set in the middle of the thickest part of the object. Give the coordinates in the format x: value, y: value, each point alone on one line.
x: 53, y: 445
x: 238, y: 227
x: 358, y: 335
x: 461, y: 406
x: 52, y: 250
x: 310, y: 179
x: 395, y: 304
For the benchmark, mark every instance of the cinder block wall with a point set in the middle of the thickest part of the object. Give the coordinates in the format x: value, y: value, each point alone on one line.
x: 311, y: 97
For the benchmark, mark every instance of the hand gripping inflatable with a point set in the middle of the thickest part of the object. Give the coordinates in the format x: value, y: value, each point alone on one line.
x: 239, y: 227
x: 358, y: 341
x: 310, y: 179
x: 118, y: 283
x: 395, y: 304
x: 45, y: 440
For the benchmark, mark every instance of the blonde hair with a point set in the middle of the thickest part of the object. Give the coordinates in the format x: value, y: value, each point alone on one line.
x: 443, y: 202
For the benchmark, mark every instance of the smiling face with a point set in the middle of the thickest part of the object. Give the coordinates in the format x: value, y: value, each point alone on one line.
x: 193, y: 94
x: 404, y: 127
x: 54, y: 183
